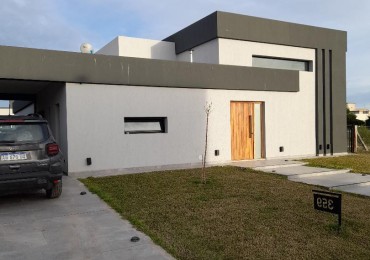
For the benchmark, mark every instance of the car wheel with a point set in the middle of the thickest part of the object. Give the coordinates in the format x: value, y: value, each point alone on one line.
x: 55, y: 191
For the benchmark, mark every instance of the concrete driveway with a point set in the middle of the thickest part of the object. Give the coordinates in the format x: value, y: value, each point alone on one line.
x: 70, y: 227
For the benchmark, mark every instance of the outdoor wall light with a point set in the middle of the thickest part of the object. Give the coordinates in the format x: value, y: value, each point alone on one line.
x: 88, y: 161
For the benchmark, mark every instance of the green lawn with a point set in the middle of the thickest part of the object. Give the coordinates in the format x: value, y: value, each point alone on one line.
x: 365, y: 134
x: 239, y: 214
x: 359, y: 163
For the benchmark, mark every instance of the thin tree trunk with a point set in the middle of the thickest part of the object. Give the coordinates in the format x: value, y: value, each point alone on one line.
x: 205, y: 153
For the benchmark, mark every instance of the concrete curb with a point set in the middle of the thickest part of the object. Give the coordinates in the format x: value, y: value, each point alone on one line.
x: 278, y: 166
x: 360, y: 184
x: 303, y: 175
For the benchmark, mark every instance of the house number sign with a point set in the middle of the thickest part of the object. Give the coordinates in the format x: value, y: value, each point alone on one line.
x: 328, y: 202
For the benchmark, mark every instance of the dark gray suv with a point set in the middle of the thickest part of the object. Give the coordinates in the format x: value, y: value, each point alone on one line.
x: 30, y: 158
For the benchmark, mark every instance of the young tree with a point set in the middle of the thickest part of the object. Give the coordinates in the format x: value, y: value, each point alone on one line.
x: 207, y: 110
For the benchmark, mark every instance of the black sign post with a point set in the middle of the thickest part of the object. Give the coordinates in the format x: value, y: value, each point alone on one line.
x: 328, y: 202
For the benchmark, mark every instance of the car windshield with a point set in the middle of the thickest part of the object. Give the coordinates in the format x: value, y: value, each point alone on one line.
x: 23, y: 133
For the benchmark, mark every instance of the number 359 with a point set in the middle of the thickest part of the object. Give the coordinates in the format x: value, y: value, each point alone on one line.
x: 325, y: 203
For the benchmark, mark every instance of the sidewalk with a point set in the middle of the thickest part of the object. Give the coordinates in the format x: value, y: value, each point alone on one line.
x: 340, y: 180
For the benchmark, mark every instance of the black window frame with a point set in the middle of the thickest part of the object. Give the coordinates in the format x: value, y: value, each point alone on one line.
x: 308, y: 63
x: 161, y: 120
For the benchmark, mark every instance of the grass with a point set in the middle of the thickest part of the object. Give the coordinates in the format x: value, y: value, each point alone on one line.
x: 238, y: 214
x: 359, y: 163
x: 365, y: 135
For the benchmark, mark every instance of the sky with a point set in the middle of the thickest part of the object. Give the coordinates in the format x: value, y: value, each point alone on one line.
x: 65, y: 24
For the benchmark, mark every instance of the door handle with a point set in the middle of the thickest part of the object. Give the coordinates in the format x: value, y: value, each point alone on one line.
x: 250, y: 127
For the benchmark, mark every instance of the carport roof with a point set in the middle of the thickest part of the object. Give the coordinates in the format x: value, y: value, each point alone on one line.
x: 26, y: 71
x: 38, y: 67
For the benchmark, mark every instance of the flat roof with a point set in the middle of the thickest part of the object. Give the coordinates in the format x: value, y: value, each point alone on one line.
x: 249, y: 28
x: 28, y: 71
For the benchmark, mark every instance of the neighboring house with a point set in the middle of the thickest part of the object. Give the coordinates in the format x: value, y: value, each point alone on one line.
x: 362, y: 114
x: 4, y: 111
x: 277, y: 90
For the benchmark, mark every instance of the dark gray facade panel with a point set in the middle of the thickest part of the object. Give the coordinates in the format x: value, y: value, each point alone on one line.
x: 190, y: 75
x: 323, y: 82
x: 248, y: 28
x: 56, y: 66
x: 339, y: 119
x: 331, y: 99
x: 199, y: 32
x: 327, y: 104
x: 20, y: 104
x: 241, y: 27
x: 319, y: 103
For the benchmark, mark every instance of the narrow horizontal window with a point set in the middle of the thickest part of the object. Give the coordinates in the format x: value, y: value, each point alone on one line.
x: 280, y: 63
x: 145, y: 125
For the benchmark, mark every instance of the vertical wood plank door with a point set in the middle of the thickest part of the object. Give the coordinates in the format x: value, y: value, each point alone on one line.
x: 242, y: 136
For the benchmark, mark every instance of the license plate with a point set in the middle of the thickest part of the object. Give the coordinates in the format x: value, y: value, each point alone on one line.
x: 13, y: 156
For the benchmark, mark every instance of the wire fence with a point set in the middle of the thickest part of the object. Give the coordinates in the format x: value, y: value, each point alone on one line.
x: 363, y: 138
x: 351, y: 130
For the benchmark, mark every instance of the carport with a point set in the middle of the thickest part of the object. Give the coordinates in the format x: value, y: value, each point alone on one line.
x: 43, y: 97
x: 30, y: 92
x: 36, y: 80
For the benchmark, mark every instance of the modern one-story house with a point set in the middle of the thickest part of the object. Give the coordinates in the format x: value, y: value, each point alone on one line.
x: 277, y: 89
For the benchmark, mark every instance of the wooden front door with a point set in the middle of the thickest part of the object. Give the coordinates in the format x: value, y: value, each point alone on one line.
x: 242, y: 136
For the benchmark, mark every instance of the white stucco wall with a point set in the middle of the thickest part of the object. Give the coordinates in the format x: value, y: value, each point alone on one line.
x: 49, y: 101
x: 205, y: 53
x: 139, y: 48
x: 235, y: 52
x: 112, y: 48
x: 96, y: 115
x: 96, y: 125
x: 351, y: 106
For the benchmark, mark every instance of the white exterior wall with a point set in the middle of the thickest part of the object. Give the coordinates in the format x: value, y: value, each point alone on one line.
x: 50, y: 101
x: 296, y: 128
x: 235, y: 52
x: 96, y: 124
x: 351, y: 106
x: 112, y: 48
x: 96, y: 127
x: 139, y: 48
x: 205, y: 53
